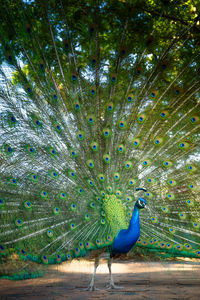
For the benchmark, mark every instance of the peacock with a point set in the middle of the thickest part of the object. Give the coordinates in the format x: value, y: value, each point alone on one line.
x: 99, y: 118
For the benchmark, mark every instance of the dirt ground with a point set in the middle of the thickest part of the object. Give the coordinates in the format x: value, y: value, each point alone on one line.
x: 141, y: 280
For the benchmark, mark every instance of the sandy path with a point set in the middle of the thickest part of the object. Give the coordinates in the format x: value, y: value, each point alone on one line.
x: 141, y: 280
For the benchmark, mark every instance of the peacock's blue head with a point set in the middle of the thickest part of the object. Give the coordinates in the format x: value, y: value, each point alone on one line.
x: 141, y: 203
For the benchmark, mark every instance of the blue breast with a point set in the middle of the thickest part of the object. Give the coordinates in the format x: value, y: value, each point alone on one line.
x: 126, y: 238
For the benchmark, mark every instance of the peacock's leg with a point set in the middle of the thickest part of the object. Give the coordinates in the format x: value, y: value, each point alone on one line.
x: 111, y: 284
x: 91, y: 285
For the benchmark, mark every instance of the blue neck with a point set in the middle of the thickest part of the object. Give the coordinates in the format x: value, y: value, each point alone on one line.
x: 126, y: 238
x: 134, y: 219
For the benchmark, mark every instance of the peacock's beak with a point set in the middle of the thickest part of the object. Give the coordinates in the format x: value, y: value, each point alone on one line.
x: 147, y: 207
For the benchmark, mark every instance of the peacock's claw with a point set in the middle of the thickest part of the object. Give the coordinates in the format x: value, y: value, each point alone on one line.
x: 91, y: 288
x: 111, y: 286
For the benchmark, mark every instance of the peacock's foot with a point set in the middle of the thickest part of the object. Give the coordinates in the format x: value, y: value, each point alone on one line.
x: 91, y: 288
x: 111, y: 286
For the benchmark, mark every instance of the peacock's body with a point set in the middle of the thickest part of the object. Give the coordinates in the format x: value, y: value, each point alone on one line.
x: 96, y: 100
x: 126, y: 238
